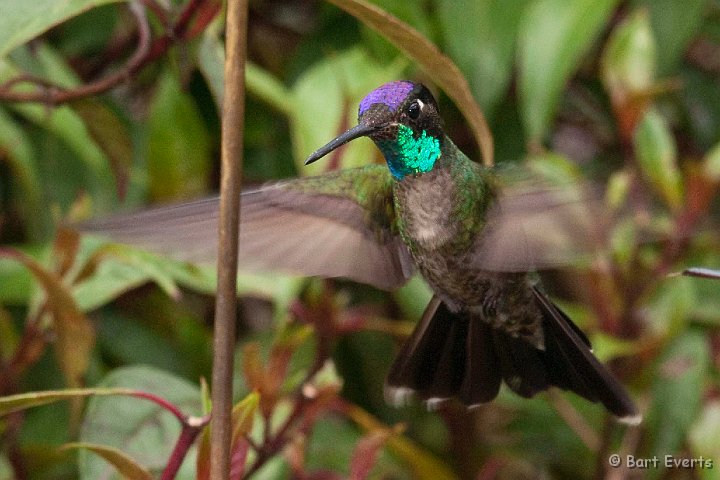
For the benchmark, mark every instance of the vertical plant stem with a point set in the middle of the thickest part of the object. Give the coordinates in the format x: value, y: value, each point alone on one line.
x: 231, y: 174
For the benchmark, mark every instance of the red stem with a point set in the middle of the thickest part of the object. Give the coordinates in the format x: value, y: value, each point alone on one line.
x: 182, y: 418
x: 191, y: 428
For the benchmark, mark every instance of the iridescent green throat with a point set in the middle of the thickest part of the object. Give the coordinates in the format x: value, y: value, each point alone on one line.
x: 408, y: 155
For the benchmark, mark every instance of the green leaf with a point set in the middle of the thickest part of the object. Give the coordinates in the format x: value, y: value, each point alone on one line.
x: 22, y: 21
x: 701, y: 107
x: 485, y: 51
x: 157, y: 268
x: 554, y: 35
x: 435, y: 64
x: 554, y: 168
x: 141, y: 345
x: 712, y: 164
x: 628, y: 62
x: 675, y: 25
x: 110, y: 280
x: 9, y: 336
x: 413, y: 297
x: 324, y: 104
x: 704, y: 436
x: 123, y: 463
x: 202, y: 278
x: 542, y: 434
x: 679, y: 379
x: 6, y: 470
x: 22, y: 159
x: 102, y: 124
x: 88, y: 165
x: 331, y: 445
x: 412, y: 13
x: 671, y: 304
x: 17, y: 282
x: 268, y: 88
x: 243, y: 419
x: 44, y: 60
x: 608, y: 347
x: 179, y: 159
x: 111, y: 135
x: 623, y: 242
x: 23, y: 401
x: 656, y: 154
x: 258, y: 82
x: 211, y: 60
x: 282, y: 290
x: 618, y: 189
x: 243, y: 415
x: 142, y: 429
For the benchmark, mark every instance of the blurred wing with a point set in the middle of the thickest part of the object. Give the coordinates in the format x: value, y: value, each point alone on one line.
x: 305, y: 226
x: 536, y: 225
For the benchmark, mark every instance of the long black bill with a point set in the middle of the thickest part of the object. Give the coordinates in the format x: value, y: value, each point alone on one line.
x: 357, y: 131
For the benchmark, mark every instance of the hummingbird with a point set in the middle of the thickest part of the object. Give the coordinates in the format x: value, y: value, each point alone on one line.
x: 429, y: 210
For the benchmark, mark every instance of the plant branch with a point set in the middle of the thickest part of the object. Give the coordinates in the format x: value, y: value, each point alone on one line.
x: 574, y: 420
x: 146, y: 51
x: 54, y: 95
x: 162, y: 403
x: 232, y: 127
x: 191, y: 427
x: 273, y: 443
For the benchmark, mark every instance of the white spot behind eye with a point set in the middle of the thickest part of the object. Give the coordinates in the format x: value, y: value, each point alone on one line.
x: 420, y: 103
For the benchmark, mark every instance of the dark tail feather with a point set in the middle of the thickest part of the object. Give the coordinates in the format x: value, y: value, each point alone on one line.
x: 572, y: 365
x: 431, y: 362
x: 460, y: 355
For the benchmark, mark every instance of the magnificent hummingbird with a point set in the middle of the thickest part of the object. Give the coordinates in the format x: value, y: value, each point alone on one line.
x: 430, y: 210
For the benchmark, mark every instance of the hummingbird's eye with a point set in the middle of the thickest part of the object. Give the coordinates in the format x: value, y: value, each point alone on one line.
x: 413, y: 110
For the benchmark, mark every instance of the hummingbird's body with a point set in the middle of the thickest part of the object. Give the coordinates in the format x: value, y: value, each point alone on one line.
x: 441, y: 218
x: 432, y: 210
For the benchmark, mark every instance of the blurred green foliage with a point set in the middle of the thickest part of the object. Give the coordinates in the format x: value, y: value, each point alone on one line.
x: 623, y: 93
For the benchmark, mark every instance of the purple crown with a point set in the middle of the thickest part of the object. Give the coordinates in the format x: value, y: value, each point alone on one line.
x: 391, y: 94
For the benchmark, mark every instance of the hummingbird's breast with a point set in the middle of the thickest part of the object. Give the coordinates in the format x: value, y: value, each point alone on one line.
x: 440, y: 220
x: 425, y: 205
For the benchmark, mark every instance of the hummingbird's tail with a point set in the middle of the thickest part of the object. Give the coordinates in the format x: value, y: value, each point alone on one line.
x: 459, y: 355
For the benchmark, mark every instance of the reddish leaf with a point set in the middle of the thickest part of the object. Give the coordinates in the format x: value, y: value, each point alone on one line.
x: 366, y: 453
x: 423, y: 463
x: 277, y: 368
x: 237, y: 459
x: 295, y: 455
x: 256, y: 376
x: 267, y: 381
x: 75, y: 334
x: 65, y: 248
x: 205, y: 14
x: 202, y: 470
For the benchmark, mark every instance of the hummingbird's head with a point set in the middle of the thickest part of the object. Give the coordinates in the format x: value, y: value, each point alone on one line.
x: 402, y: 119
